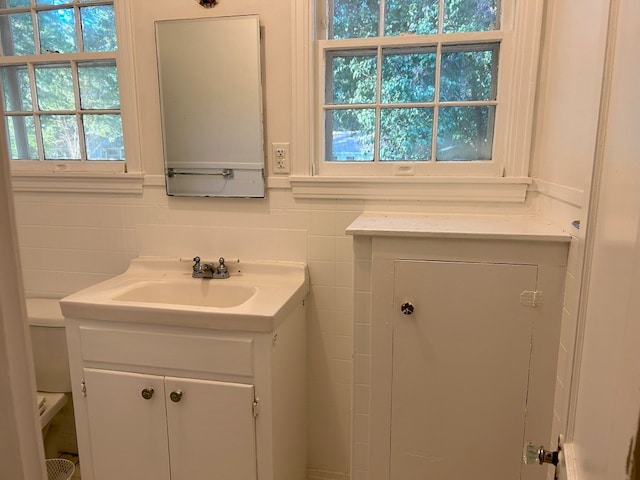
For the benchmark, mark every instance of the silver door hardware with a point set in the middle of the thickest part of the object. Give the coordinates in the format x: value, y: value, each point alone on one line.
x: 176, y: 395
x: 531, y: 298
x: 407, y: 308
x: 533, y: 454
x: 147, y: 393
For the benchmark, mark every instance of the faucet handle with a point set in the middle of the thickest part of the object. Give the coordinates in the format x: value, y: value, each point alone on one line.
x: 222, y: 268
x: 196, y: 265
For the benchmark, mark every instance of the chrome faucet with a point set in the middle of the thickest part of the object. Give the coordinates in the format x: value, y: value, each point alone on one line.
x: 209, y: 270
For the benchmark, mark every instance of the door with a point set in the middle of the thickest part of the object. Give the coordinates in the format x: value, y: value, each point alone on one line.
x: 460, y: 370
x: 603, y: 425
x: 128, y: 431
x: 211, y: 430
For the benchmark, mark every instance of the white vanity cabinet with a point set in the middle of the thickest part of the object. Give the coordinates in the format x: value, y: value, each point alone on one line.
x: 169, y: 427
x: 457, y: 324
x: 162, y: 402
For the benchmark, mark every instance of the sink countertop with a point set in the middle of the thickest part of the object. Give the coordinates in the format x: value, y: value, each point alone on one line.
x: 513, y: 227
x: 279, y: 287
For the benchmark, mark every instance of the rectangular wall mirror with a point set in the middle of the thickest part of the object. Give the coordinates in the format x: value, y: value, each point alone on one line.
x: 211, y: 104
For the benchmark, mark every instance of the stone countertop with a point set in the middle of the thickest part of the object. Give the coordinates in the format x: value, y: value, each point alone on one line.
x: 512, y: 227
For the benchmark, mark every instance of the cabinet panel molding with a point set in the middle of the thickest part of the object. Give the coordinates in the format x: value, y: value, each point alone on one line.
x: 216, y: 354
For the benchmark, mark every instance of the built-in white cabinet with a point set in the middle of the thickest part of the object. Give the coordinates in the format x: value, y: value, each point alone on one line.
x: 171, y: 402
x: 169, y: 427
x: 457, y: 324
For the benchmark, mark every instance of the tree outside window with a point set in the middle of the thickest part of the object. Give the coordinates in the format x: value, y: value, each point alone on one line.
x: 409, y: 80
x: 59, y: 80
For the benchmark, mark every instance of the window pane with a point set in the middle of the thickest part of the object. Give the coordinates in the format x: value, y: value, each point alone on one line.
x: 405, y: 134
x: 411, y: 16
x: 470, y: 15
x: 465, y: 133
x: 17, y: 3
x: 17, y: 34
x: 99, y: 29
x: 354, y: 19
x: 16, y: 89
x: 21, y: 132
x: 407, y: 76
x: 469, y: 75
x: 353, y: 79
x: 103, y: 136
x: 55, y: 87
x: 60, y: 137
x: 98, y: 86
x: 57, y: 31
x: 350, y: 135
x: 53, y: 2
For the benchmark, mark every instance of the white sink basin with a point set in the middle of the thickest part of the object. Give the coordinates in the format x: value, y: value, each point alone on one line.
x: 256, y: 297
x: 205, y: 293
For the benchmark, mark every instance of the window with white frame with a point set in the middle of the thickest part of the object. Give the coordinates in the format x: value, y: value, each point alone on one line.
x: 424, y: 87
x: 59, y: 84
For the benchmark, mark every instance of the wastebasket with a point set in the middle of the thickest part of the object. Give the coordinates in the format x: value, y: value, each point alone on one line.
x: 59, y: 469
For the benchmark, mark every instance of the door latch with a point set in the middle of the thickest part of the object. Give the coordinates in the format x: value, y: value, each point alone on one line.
x: 533, y: 454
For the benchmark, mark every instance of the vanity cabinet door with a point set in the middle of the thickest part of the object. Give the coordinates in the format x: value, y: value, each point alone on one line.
x: 128, y: 432
x: 211, y: 430
x: 461, y: 369
x: 149, y: 427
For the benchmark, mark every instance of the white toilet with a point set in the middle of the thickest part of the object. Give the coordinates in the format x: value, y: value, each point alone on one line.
x: 53, y: 381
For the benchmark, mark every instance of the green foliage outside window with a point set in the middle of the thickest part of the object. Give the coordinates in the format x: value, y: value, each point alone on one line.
x: 425, y: 100
x: 60, y: 110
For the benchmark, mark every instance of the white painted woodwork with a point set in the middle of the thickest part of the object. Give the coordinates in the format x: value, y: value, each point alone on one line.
x: 211, y: 430
x: 458, y: 394
x: 203, y: 352
x: 602, y: 431
x: 460, y: 370
x: 21, y: 449
x: 211, y: 433
x: 128, y: 433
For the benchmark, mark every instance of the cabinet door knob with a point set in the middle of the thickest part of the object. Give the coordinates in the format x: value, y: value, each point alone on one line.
x: 147, y: 393
x: 176, y: 395
x: 407, y: 308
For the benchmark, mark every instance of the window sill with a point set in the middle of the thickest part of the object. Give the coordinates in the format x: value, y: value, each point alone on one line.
x: 78, y: 182
x: 437, y: 189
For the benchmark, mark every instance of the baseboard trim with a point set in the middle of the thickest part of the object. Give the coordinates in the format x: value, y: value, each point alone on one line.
x: 315, y: 474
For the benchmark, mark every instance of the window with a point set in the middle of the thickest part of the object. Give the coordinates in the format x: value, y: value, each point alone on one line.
x: 432, y: 100
x: 420, y: 88
x: 59, y: 83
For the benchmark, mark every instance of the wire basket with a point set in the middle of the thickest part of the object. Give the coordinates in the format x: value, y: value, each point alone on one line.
x: 59, y: 469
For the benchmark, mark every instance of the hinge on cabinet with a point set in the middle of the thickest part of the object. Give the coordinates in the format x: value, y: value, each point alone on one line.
x: 256, y: 408
x: 83, y: 388
x: 530, y: 298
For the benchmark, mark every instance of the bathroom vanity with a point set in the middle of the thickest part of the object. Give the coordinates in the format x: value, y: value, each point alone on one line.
x: 212, y: 387
x: 457, y: 324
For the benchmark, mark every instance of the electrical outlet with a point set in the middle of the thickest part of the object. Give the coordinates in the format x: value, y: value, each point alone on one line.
x: 280, y: 158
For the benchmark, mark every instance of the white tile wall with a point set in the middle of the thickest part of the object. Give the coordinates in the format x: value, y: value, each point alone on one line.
x: 70, y: 241
x: 564, y: 214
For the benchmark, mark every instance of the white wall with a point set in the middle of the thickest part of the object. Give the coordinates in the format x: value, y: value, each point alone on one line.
x: 69, y: 241
x: 570, y: 85
x: 607, y: 378
x: 570, y: 82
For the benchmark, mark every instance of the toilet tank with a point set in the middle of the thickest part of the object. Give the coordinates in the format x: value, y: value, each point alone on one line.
x: 48, y: 339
